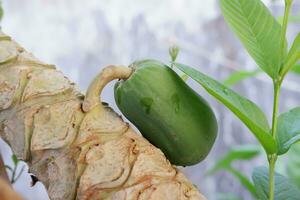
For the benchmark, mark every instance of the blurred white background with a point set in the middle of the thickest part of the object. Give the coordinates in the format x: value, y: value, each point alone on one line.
x: 81, y: 37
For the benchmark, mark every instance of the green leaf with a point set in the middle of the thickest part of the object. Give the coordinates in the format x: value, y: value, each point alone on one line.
x: 228, y: 196
x: 293, y: 164
x: 242, y: 152
x: 288, y: 130
x: 244, y: 109
x: 292, y: 18
x: 239, y: 76
x: 15, y: 159
x: 244, y: 181
x: 1, y: 11
x: 292, y: 57
x: 284, y: 188
x: 257, y: 29
x: 296, y: 69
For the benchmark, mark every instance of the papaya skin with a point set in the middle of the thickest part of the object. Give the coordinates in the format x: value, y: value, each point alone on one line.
x: 168, y: 112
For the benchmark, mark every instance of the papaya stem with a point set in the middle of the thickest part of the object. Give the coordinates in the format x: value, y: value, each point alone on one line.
x: 272, y: 158
x: 108, y: 74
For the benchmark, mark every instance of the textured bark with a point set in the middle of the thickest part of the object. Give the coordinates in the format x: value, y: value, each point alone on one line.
x: 77, y: 154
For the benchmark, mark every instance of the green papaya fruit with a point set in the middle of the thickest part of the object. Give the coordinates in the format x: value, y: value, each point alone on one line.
x: 167, y: 112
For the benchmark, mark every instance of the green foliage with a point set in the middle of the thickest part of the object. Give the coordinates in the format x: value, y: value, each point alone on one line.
x: 284, y: 188
x: 1, y: 11
x: 292, y: 18
x: 293, y: 164
x: 15, y: 159
x: 258, y: 30
x: 244, y: 181
x: 288, y: 131
x: 265, y: 40
x: 228, y: 196
x: 244, y: 152
x: 295, y: 18
x: 296, y: 69
x: 292, y: 57
x: 239, y: 76
x: 247, y: 111
x: 14, y: 175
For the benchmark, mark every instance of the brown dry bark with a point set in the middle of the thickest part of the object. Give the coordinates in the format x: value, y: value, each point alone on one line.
x: 76, y: 153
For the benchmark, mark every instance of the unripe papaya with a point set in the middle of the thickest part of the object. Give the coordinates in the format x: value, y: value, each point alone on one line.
x: 167, y: 112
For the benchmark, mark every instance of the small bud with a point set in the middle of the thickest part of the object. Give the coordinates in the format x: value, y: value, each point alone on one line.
x: 173, y: 52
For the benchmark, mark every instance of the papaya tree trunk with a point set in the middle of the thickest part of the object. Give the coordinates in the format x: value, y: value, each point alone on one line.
x: 78, y: 153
